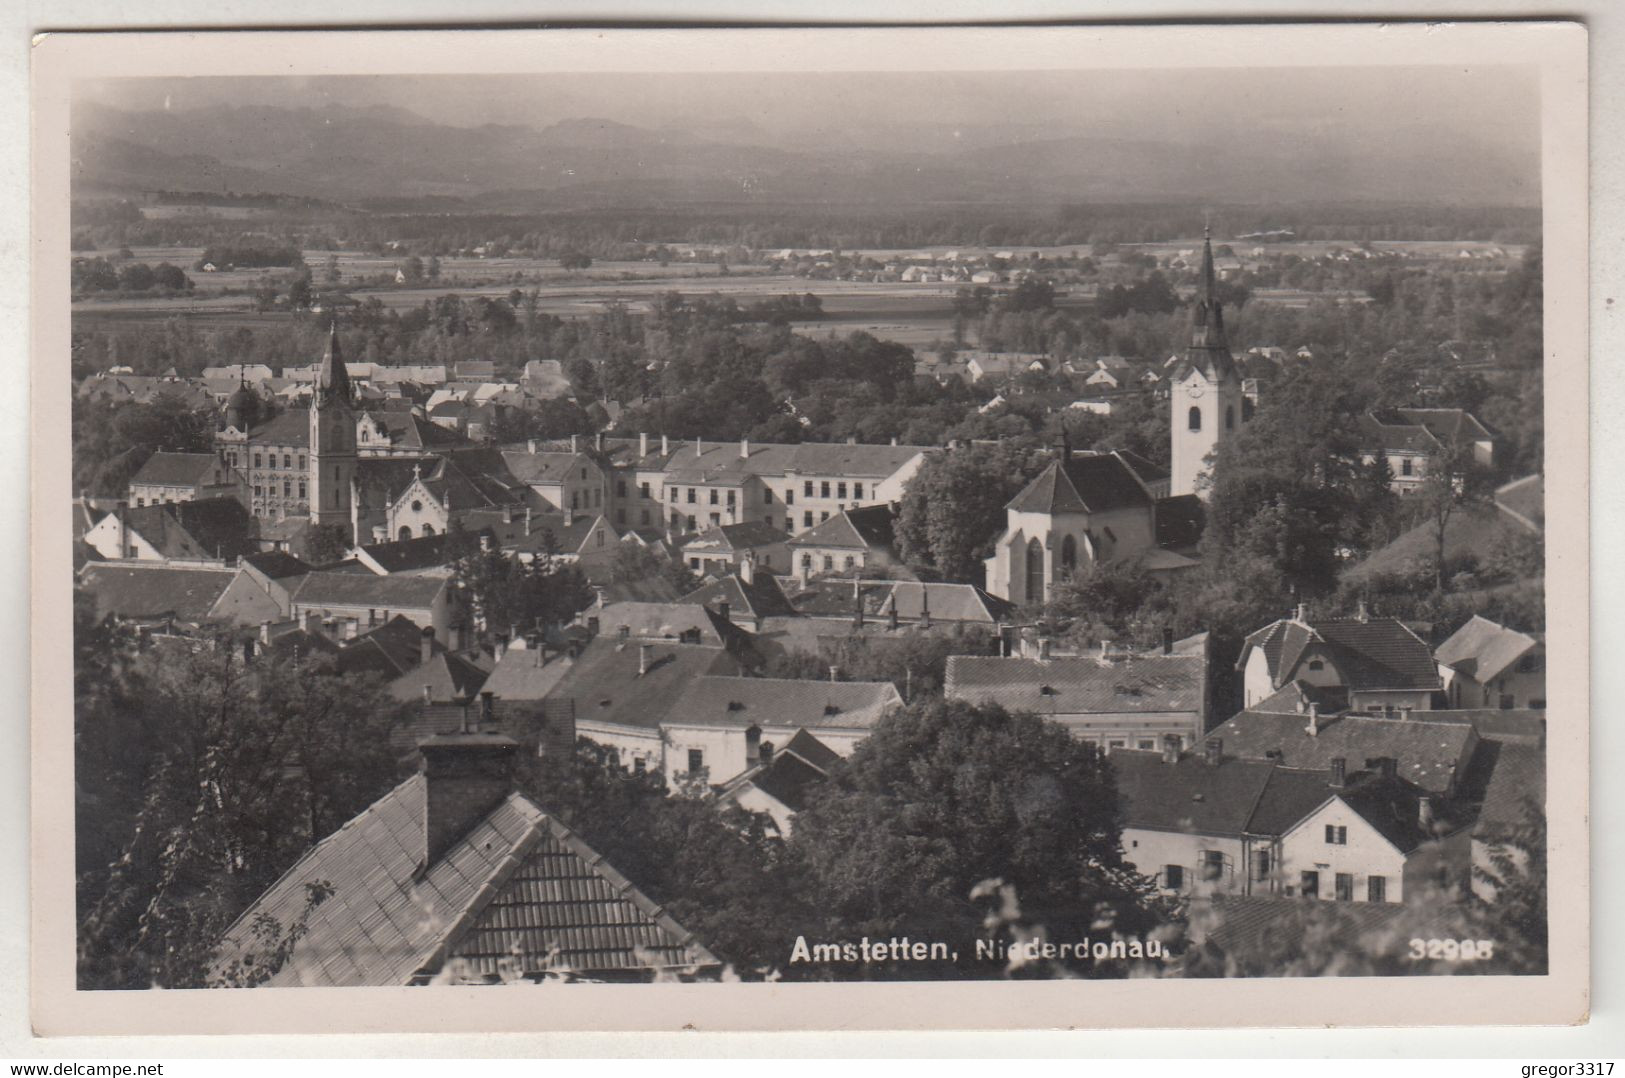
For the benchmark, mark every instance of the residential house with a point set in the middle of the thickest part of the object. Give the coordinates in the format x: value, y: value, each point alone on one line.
x: 208, y: 532
x: 1116, y: 699
x: 981, y: 366
x: 545, y: 379
x: 182, y: 477
x: 565, y: 482
x: 1408, y: 437
x: 431, y: 554
x: 1379, y: 663
x: 261, y: 591
x: 747, y: 599
x: 723, y: 548
x: 860, y: 539
x: 1483, y: 664
x: 717, y: 725
x: 388, y: 433
x: 452, y: 877
x: 348, y: 604
x: 783, y: 780
x: 153, y: 594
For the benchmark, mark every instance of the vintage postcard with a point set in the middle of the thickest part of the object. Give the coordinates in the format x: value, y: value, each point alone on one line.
x: 801, y: 529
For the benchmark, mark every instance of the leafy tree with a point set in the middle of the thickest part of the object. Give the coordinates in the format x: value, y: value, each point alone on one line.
x: 215, y: 772
x: 170, y: 276
x: 326, y: 543
x: 135, y: 277
x: 944, y: 795
x: 112, y: 442
x: 634, y: 561
x: 1453, y: 481
x: 575, y: 260
x: 503, y: 593
x: 953, y: 507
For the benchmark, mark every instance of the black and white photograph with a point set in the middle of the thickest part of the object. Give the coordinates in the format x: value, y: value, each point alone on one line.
x: 812, y: 523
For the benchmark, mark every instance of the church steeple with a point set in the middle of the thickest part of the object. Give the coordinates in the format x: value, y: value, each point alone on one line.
x: 1209, y: 350
x: 333, y: 379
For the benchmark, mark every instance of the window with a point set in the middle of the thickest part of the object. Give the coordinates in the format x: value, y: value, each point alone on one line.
x: 428, y: 530
x: 716, y: 518
x: 767, y: 495
x: 287, y: 489
x: 256, y: 459
x: 406, y: 532
x: 302, y: 464
x: 823, y: 489
x: 1317, y: 664
x: 673, y: 493
x: 1246, y: 409
x: 1337, y: 835
x: 807, y: 489
x: 1229, y: 417
x: 806, y: 563
x: 257, y: 490
x: 691, y: 497
x: 823, y: 516
x: 1309, y: 884
x: 1035, y: 571
x: 372, y: 616
x: 1261, y: 865
x: 1405, y: 466
x: 713, y: 497
x: 1376, y: 889
x: 829, y: 563
x: 730, y: 497
x: 857, y: 489
x: 850, y: 562
x: 639, y: 765
x: 1212, y: 864
x: 1117, y: 743
x: 1195, y: 421
x: 583, y: 473
x: 620, y: 488
x: 789, y: 496
x: 1146, y: 744
x: 691, y: 522
x: 806, y: 519
x: 694, y: 563
x: 140, y: 502
x: 1344, y: 884
x: 302, y: 494
x: 1069, y: 554
x: 696, y: 760
x: 417, y: 506
x: 575, y: 496
x: 643, y: 490
x: 287, y: 460
x: 1173, y: 877
x: 840, y: 491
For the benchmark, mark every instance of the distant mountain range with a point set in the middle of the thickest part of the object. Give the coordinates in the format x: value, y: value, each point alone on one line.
x: 354, y: 154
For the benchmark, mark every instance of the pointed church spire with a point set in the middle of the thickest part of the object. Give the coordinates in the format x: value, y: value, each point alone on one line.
x: 1209, y: 349
x: 333, y: 380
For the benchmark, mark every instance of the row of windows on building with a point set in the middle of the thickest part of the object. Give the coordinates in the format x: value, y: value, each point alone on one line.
x: 691, y: 521
x: 1214, y: 867
x: 269, y: 490
x: 586, y: 499
x: 1195, y: 420
x: 268, y: 460
x: 836, y: 489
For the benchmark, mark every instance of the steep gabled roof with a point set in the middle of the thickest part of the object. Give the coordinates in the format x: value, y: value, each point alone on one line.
x: 761, y: 598
x: 520, y: 887
x: 605, y: 686
x: 277, y: 564
x: 1483, y: 650
x: 913, y: 599
x: 1370, y: 653
x: 205, y: 529
x: 1447, y: 424
x: 176, y: 469
x: 730, y: 538
x: 1190, y: 795
x: 869, y: 527
x: 1085, y: 483
x: 424, y: 552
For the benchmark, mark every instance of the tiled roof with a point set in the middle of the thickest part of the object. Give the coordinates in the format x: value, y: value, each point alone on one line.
x: 391, y: 649
x: 357, y: 589
x: 787, y: 779
x: 527, y: 674
x: 1294, y: 698
x: 1393, y: 811
x: 176, y: 469
x: 1430, y: 754
x: 139, y: 592
x: 1447, y: 424
x: 864, y: 528
x: 409, y: 431
x: 649, y: 589
x: 289, y: 428
x: 1370, y: 653
x: 1393, y: 437
x: 545, y: 467
x: 424, y: 552
x: 665, y: 621
x: 520, y: 886
x: 761, y: 598
x: 780, y: 703
x: 946, y: 602
x: 1190, y: 795
x: 1146, y: 471
x: 1483, y: 650
x: 1517, y: 781
x: 1079, y: 686
x: 811, y: 750
x: 1086, y: 483
x: 605, y: 686
x: 1289, y: 795
x: 205, y: 529
x: 276, y: 564
x: 447, y: 676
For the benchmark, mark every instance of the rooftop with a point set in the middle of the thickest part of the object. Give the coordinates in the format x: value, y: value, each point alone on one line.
x: 176, y: 469
x: 1432, y: 755
x: 1084, y: 483
x: 369, y: 590
x: 1080, y: 685
x: 606, y: 687
x: 143, y: 592
x: 1483, y: 650
x: 779, y: 703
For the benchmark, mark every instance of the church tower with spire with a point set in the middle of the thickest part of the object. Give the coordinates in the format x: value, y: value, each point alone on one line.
x: 332, y: 439
x: 1207, y: 401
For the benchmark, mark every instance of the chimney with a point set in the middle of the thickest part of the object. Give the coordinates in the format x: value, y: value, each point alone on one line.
x: 925, y: 606
x: 643, y: 445
x: 1170, y: 748
x: 747, y: 568
x: 1424, y: 814
x: 766, y: 752
x: 1361, y: 613
x: 1167, y: 640
x: 1043, y: 648
x: 1387, y: 768
x: 311, y: 622
x: 488, y: 541
x: 530, y: 446
x: 1340, y: 772
x: 428, y: 695
x: 1314, y: 720
x: 894, y: 439
x: 1105, y: 650
x: 426, y: 645
x: 598, y: 441
x: 724, y: 610
x: 466, y: 775
x: 665, y: 446
x: 573, y: 440
x: 1302, y: 614
x: 1387, y: 711
x: 592, y: 625
x: 507, y: 513
x: 753, y: 745
x: 527, y: 520
x: 835, y: 673
x: 646, y: 658
x: 744, y: 449
x: 699, y: 447
x: 265, y: 632
x: 1213, y: 751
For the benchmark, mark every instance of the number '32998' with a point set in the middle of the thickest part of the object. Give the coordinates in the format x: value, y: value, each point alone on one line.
x: 1452, y: 950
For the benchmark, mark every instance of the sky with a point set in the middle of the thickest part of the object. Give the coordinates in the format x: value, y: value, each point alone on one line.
x: 1497, y: 107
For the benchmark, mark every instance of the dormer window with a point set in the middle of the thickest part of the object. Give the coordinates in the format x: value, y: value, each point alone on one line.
x: 1316, y: 664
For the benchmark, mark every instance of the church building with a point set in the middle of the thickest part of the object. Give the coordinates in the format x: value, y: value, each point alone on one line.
x: 1208, y: 403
